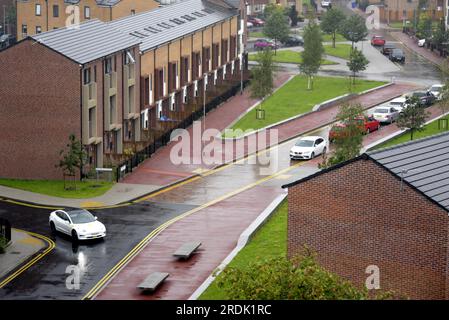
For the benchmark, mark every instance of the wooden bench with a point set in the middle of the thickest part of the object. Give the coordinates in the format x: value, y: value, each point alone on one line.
x: 187, y: 249
x: 153, y: 281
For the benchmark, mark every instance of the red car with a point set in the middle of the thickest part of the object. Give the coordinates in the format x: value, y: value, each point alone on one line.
x: 367, y: 125
x: 257, y: 22
x: 378, y: 41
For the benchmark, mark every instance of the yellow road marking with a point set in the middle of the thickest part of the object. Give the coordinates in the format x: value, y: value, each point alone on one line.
x: 92, y: 204
x: 162, y: 227
x: 29, y: 204
x: 51, y: 246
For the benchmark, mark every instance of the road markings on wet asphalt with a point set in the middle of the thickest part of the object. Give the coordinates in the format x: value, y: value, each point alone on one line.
x: 141, y: 245
x: 34, y: 260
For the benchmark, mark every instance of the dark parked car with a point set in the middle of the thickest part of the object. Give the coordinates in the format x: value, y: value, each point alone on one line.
x: 6, y: 40
x: 426, y: 97
x: 387, y: 48
x: 293, y: 41
x: 397, y: 55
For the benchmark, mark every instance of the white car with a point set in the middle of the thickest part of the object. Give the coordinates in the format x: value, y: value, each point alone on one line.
x: 436, y: 90
x: 80, y: 224
x: 308, y: 148
x: 386, y: 114
x: 249, y: 24
x: 325, y: 4
x: 398, y: 103
x: 421, y: 42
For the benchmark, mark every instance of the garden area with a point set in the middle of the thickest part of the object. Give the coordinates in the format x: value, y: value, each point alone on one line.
x: 55, y: 188
x: 294, y: 99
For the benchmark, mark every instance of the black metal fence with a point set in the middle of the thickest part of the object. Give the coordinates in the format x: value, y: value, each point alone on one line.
x: 140, y: 156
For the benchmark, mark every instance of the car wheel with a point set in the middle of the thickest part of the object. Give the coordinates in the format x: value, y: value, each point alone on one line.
x: 324, y: 151
x: 52, y: 227
x: 74, y: 236
x: 378, y: 127
x: 312, y: 155
x: 368, y: 131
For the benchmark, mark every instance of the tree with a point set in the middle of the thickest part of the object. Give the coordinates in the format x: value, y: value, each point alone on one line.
x: 413, y: 116
x: 354, y: 29
x: 276, y: 26
x: 269, y: 9
x: 444, y: 102
x: 299, y: 278
x: 73, y: 158
x: 424, y: 28
x: 262, y: 75
x: 357, y: 62
x: 332, y: 21
x: 440, y: 36
x: 348, y: 143
x: 313, y: 52
x: 293, y: 15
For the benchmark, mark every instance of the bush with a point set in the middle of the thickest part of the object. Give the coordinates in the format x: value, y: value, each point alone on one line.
x: 300, y: 278
x: 3, y: 244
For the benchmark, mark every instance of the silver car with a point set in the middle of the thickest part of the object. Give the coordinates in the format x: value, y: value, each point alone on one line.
x: 386, y: 114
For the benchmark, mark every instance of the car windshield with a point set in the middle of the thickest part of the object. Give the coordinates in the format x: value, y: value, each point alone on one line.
x: 81, y: 216
x: 419, y: 94
x: 304, y: 143
x: 397, y: 51
x: 381, y: 110
x: 436, y: 88
x: 396, y: 103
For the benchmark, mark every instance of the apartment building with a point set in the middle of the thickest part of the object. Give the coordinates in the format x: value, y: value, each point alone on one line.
x: 255, y: 7
x: 37, y: 16
x: 68, y: 81
x: 118, y: 85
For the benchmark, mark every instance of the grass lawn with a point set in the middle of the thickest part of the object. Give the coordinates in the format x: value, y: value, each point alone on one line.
x: 429, y: 130
x: 341, y: 50
x: 397, y: 24
x: 256, y: 34
x: 85, y: 189
x: 294, y: 99
x: 328, y: 38
x: 269, y: 241
x: 287, y: 56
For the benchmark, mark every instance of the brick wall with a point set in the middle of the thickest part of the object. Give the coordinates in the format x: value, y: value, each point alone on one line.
x: 356, y: 216
x: 39, y: 109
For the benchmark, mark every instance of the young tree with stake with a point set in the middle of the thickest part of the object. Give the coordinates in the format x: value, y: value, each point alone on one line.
x: 313, y: 52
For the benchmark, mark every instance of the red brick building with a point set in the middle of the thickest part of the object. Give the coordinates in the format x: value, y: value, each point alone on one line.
x: 388, y: 208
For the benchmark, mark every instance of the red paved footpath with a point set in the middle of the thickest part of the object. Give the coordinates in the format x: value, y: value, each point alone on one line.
x: 410, y: 43
x: 159, y: 170
x: 218, y: 227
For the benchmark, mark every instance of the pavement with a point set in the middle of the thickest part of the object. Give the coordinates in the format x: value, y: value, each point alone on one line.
x: 23, y: 246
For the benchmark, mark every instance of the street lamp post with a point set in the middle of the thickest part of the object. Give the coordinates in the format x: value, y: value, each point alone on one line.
x: 244, y: 49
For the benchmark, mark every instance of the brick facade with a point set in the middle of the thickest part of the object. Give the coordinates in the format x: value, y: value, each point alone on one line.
x: 40, y: 108
x: 355, y: 216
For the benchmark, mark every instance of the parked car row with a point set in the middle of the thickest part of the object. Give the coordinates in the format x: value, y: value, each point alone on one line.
x: 388, y: 49
x: 291, y: 41
x: 254, y: 22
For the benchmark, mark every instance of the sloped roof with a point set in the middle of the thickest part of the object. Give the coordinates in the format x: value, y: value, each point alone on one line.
x: 423, y: 164
x: 89, y: 41
x: 159, y: 26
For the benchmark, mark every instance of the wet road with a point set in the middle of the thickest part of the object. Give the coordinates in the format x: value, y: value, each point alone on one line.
x: 126, y: 226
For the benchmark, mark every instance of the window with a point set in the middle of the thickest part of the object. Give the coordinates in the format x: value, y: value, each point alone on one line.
x: 38, y: 29
x: 112, y: 110
x: 86, y: 76
x: 108, y: 65
x: 92, y: 122
x: 55, y: 11
x: 133, y: 12
x: 38, y: 9
x: 86, y: 12
x: 24, y: 29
